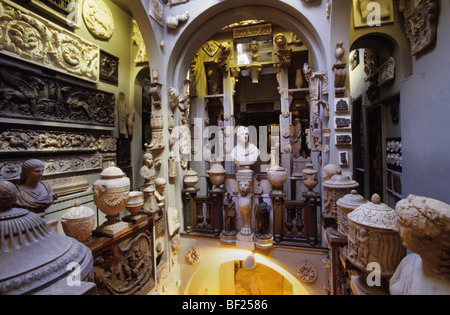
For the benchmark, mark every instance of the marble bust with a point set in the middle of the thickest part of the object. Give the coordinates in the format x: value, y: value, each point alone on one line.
x: 244, y: 153
x: 34, y: 194
x: 424, y: 227
x: 159, y: 193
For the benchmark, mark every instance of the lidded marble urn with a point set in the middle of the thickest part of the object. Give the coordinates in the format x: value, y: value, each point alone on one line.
x: 111, y: 195
x: 190, y: 179
x: 310, y: 178
x: 217, y: 175
x: 334, y: 189
x: 372, y: 239
x: 134, y: 206
x: 277, y: 176
x: 345, y: 205
x: 78, y: 222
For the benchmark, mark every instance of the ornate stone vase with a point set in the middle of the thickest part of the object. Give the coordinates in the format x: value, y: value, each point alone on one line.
x: 135, y: 202
x: 217, y: 175
x: 372, y: 239
x: 277, y: 176
x: 345, y: 205
x: 78, y: 222
x: 310, y: 177
x: 334, y: 189
x: 190, y: 179
x: 111, y: 195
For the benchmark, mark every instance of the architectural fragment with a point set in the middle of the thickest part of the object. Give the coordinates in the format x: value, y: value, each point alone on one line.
x: 421, y: 26
x: 173, y: 21
x: 31, y: 96
x: 141, y: 55
x: 29, y: 37
x: 98, y: 18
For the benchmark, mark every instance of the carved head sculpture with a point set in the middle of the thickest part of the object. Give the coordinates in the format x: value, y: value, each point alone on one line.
x: 242, y: 135
x: 244, y: 187
x: 254, y: 46
x: 32, y: 171
x: 280, y: 39
x: 424, y: 227
x: 160, y: 184
x: 148, y: 159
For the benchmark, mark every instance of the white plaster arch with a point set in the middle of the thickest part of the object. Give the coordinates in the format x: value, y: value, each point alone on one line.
x: 213, y: 19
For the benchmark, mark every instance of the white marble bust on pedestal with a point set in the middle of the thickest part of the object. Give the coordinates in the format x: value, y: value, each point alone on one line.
x: 424, y: 227
x: 244, y: 153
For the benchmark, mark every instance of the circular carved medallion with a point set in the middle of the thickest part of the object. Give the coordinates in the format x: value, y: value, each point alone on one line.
x: 98, y: 18
x: 306, y: 272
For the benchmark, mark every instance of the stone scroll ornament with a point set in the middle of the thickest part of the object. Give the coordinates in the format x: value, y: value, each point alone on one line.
x: 25, y: 95
x: 29, y: 37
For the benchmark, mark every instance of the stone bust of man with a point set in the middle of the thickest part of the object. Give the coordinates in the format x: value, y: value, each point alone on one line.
x: 244, y: 153
x: 34, y: 194
x: 424, y: 227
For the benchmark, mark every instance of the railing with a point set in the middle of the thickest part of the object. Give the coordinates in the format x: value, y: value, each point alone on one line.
x: 295, y: 223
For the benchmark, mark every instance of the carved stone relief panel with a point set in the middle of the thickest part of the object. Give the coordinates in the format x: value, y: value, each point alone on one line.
x: 10, y: 170
x: 28, y: 96
x: 420, y: 26
x: 27, y: 36
x: 126, y: 268
x: 109, y: 67
x: 98, y: 18
x: 20, y: 140
x: 156, y: 11
x: 141, y: 55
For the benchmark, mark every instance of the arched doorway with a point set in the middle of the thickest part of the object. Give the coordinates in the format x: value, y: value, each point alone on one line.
x: 376, y: 72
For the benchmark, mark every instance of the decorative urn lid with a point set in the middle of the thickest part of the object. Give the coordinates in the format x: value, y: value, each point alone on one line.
x: 351, y: 201
x: 217, y: 168
x: 112, y: 172
x: 340, y: 181
x: 374, y: 214
x: 78, y: 211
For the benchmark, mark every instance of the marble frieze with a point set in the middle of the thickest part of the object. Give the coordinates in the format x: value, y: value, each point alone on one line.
x: 21, y: 140
x: 11, y: 169
x: 29, y: 37
x: 25, y: 95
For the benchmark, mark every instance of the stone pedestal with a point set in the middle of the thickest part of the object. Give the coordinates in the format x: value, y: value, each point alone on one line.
x: 245, y: 241
x: 188, y: 202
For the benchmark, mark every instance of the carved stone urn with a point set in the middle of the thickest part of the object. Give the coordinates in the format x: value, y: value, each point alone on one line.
x: 345, y: 205
x: 78, y: 222
x: 190, y: 179
x: 134, y: 205
x: 277, y: 176
x: 334, y: 189
x: 310, y: 177
x: 217, y: 175
x: 374, y: 243
x: 111, y: 195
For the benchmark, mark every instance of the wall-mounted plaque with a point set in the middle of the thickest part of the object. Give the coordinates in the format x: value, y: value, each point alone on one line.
x: 109, y: 68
